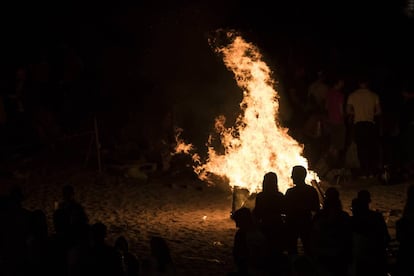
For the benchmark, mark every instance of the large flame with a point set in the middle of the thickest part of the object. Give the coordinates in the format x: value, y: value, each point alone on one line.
x: 257, y: 143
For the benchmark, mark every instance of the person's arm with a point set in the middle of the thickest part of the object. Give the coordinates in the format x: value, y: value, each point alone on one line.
x: 315, y: 202
x: 349, y: 110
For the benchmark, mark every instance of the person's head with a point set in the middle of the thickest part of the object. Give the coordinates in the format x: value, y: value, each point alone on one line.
x: 299, y: 174
x: 270, y: 182
x: 338, y: 83
x: 121, y: 244
x: 21, y: 73
x: 321, y: 75
x: 359, y: 206
x: 364, y: 196
x: 160, y: 250
x: 363, y: 82
x: 332, y: 200
x: 243, y: 217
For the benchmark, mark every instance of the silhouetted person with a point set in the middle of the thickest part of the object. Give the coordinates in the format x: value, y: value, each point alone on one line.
x: 70, y: 217
x: 317, y: 92
x: 161, y: 262
x: 15, y: 230
x: 128, y: 261
x: 250, y: 247
x: 268, y: 210
x: 370, y: 238
x: 103, y: 257
x: 331, y: 236
x: 335, y: 122
x: 302, y: 202
x: 38, y: 242
x: 78, y: 257
x: 363, y: 109
x: 406, y: 126
x: 405, y: 236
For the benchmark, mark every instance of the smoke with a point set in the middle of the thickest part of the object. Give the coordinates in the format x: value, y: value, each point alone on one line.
x: 188, y: 75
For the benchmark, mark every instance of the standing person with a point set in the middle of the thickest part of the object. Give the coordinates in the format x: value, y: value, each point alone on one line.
x: 70, y: 218
x: 363, y: 109
x: 160, y: 263
x: 129, y: 263
x: 335, y: 122
x: 250, y: 247
x: 406, y: 146
x: 404, y: 234
x: 370, y: 238
x: 331, y: 236
x: 301, y: 202
x: 268, y: 210
x: 317, y: 93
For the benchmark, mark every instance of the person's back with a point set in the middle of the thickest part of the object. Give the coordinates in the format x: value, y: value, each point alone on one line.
x: 269, y: 204
x: 250, y: 247
x: 269, y: 208
x: 160, y: 262
x: 364, y: 102
x: 70, y: 217
x: 363, y: 109
x: 15, y: 230
x: 301, y: 202
x: 268, y: 212
x: 405, y: 236
x: 370, y: 237
x: 103, y: 257
x: 128, y: 262
x: 331, y: 236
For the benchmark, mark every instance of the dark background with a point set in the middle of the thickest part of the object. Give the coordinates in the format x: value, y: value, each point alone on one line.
x: 132, y: 64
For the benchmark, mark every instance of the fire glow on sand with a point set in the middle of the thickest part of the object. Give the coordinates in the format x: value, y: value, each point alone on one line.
x: 257, y: 143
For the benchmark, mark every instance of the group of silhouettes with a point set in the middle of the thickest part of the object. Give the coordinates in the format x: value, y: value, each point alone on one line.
x: 287, y: 234
x: 75, y: 248
x: 293, y: 234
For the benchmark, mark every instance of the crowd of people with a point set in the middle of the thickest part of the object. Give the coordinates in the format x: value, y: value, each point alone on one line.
x: 288, y: 234
x: 295, y: 234
x: 341, y: 118
x: 74, y: 247
x: 345, y: 123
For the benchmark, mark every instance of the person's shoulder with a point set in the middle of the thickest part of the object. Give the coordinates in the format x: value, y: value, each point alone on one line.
x: 289, y: 190
x: 309, y: 187
x: 259, y: 195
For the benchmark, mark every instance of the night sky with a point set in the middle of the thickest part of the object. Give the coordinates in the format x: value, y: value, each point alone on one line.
x: 149, y: 57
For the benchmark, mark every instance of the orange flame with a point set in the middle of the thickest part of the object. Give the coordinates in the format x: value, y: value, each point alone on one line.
x: 257, y: 143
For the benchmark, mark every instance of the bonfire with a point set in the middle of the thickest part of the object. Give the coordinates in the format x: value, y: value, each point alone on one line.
x: 256, y: 143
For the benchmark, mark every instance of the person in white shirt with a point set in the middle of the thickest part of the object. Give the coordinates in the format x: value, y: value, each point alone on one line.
x: 363, y: 108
